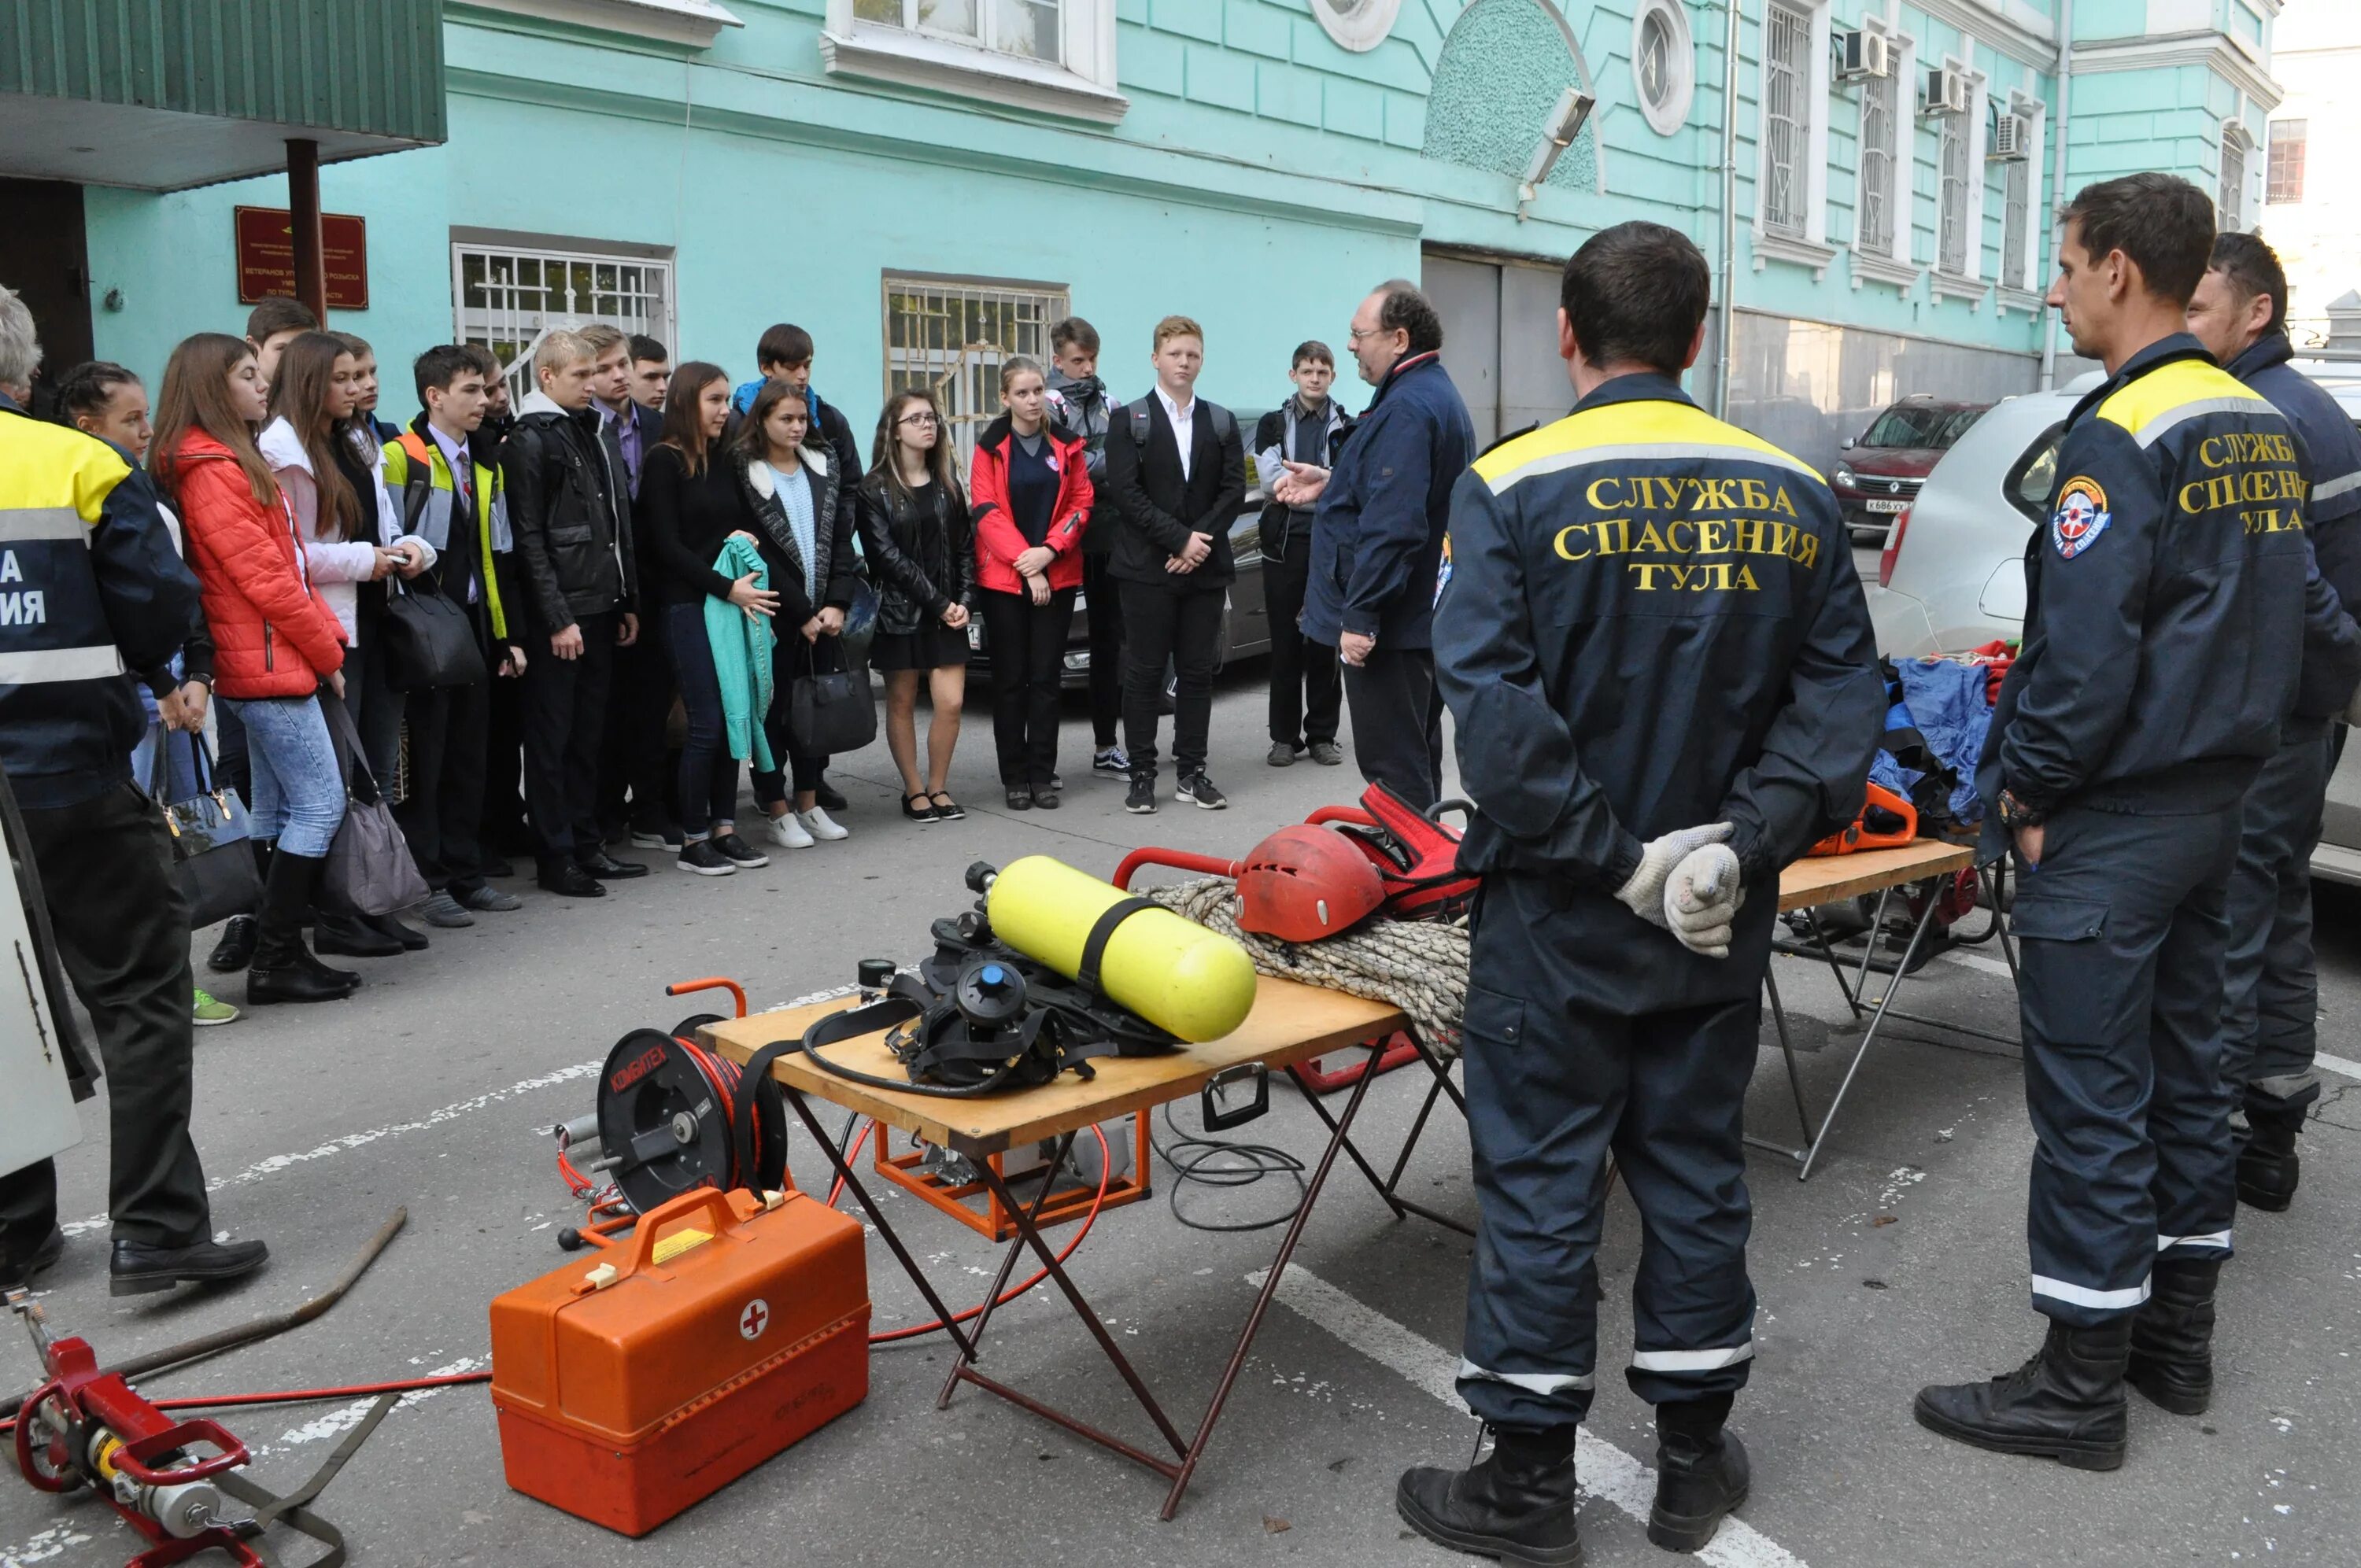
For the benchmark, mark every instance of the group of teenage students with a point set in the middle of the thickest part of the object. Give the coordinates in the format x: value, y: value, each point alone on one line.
x: 627, y: 532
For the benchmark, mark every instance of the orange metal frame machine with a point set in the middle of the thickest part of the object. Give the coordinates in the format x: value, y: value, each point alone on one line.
x: 993, y: 1218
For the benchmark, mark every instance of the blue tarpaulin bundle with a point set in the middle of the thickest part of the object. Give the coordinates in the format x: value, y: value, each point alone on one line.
x: 1944, y: 701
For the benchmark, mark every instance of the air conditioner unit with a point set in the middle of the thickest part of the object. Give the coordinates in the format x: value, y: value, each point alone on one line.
x: 2012, y: 140
x: 1949, y: 92
x: 1861, y: 53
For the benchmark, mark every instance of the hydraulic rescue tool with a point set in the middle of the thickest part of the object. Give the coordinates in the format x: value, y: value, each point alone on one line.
x: 170, y: 1480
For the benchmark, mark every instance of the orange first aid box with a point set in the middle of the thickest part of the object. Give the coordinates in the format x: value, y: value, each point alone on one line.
x: 636, y: 1381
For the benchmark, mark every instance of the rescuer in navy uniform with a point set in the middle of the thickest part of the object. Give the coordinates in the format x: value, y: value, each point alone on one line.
x: 2270, y: 1016
x: 1658, y: 656
x: 2174, y: 623
x: 94, y: 587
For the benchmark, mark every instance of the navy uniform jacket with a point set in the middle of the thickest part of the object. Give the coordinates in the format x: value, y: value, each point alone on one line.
x: 1652, y: 621
x: 1378, y: 534
x: 2332, y: 449
x: 2169, y: 601
x: 89, y: 585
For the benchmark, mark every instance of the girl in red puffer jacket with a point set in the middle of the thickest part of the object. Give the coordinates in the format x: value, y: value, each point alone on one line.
x: 277, y: 643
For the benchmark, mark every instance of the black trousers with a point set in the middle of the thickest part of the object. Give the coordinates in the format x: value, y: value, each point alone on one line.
x: 503, y: 828
x: 1185, y: 628
x: 632, y: 760
x: 2272, y: 991
x: 1307, y: 691
x: 1028, y: 649
x: 1555, y: 1086
x: 1103, y: 598
x: 565, y: 722
x: 444, y: 811
x: 123, y: 935
x: 1398, y: 722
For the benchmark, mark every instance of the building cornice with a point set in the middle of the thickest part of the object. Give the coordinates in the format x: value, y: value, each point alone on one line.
x: 2030, y: 41
x: 1870, y: 268
x: 695, y: 23
x: 2210, y: 49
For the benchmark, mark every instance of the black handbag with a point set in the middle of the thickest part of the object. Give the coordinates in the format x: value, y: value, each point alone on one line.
x: 832, y: 713
x: 429, y: 640
x: 212, y: 858
x: 370, y: 870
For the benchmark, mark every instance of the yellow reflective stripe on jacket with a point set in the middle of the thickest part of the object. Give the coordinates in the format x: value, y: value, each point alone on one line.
x: 45, y: 467
x: 1620, y: 432
x: 2172, y: 394
x: 438, y: 477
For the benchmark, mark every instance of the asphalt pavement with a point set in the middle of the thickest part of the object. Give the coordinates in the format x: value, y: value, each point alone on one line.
x: 1901, y: 1262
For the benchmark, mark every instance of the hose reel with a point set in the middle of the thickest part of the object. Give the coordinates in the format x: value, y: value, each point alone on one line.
x: 663, y: 1124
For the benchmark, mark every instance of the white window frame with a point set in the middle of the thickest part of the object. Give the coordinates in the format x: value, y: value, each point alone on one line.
x: 2238, y: 169
x: 1971, y: 132
x: 1808, y: 247
x: 964, y: 378
x: 2035, y: 116
x: 2273, y: 145
x: 692, y: 22
x: 1894, y: 266
x: 1359, y: 28
x: 484, y: 323
x: 1080, y: 85
x: 1680, y: 62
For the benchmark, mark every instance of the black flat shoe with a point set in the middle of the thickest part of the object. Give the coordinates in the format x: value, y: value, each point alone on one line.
x: 946, y: 808
x: 135, y: 1270
x: 829, y: 798
x: 923, y: 812
x: 1045, y: 800
x: 412, y: 940
x: 353, y: 937
x: 236, y: 949
x: 570, y: 881
x: 1020, y: 800
x: 606, y: 868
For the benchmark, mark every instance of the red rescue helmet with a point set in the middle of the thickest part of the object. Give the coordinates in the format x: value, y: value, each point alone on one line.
x: 1303, y: 883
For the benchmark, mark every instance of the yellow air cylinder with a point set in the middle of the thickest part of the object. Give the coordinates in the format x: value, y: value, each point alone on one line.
x: 1171, y: 971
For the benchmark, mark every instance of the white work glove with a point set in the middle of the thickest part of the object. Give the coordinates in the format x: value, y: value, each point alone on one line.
x: 1701, y: 899
x: 1644, y: 894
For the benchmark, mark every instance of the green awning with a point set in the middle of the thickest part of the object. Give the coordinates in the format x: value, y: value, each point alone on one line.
x: 165, y: 94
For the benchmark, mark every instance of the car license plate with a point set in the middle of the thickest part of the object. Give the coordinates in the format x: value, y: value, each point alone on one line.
x: 1881, y: 504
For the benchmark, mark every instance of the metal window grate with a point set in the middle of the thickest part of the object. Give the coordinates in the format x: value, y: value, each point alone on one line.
x: 2232, y: 201
x: 2016, y: 211
x: 508, y: 298
x: 1877, y: 126
x: 1786, y: 86
x: 2283, y: 171
x: 1952, y: 252
x: 950, y: 337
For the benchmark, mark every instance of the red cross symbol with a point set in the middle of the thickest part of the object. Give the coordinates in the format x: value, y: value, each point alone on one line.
x: 754, y: 1318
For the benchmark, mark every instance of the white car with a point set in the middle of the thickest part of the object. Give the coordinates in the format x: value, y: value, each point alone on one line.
x: 1952, y: 573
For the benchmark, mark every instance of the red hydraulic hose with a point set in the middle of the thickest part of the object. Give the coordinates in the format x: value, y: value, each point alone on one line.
x: 306, y: 1395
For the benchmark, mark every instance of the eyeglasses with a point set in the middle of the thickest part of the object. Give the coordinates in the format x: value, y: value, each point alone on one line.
x: 1355, y: 334
x: 920, y: 417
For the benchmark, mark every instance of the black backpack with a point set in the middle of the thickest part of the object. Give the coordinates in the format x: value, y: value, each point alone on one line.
x: 1226, y: 424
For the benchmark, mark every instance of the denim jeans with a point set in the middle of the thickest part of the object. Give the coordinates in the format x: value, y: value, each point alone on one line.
x: 299, y: 790
x: 708, y: 774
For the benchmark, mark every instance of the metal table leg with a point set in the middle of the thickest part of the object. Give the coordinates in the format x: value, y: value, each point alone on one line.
x: 1008, y: 1257
x: 1794, y: 1078
x: 1876, y: 1019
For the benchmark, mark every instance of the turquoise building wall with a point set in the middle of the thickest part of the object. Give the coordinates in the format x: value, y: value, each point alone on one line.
x: 1261, y: 178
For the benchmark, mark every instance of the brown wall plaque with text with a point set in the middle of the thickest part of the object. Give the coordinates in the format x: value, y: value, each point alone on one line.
x: 266, y: 256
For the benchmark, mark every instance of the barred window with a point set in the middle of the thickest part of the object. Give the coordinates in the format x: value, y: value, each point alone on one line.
x: 1952, y: 252
x: 2231, y: 203
x: 949, y: 337
x: 2016, y: 211
x: 1026, y: 27
x: 1787, y: 96
x: 2283, y: 177
x: 509, y: 296
x: 1877, y: 154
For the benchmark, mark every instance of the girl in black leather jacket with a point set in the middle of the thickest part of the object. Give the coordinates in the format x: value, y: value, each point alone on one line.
x: 913, y: 517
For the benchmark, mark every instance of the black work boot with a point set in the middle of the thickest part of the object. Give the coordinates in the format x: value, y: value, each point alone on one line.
x: 2267, y: 1165
x: 138, y: 1270
x: 2066, y: 1404
x: 283, y: 969
x: 1517, y: 1505
x: 1701, y: 1474
x: 2172, y: 1336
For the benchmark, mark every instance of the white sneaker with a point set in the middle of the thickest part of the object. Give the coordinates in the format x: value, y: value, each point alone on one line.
x: 788, y: 833
x: 819, y: 825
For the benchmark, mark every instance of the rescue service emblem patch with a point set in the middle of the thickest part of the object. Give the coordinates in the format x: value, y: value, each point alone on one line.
x: 2081, y: 518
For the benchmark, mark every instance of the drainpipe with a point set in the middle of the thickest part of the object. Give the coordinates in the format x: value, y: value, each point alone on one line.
x: 2057, y: 167
x: 1728, y: 209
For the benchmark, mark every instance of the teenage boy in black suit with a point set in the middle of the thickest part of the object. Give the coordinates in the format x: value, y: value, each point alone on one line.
x: 1177, y: 469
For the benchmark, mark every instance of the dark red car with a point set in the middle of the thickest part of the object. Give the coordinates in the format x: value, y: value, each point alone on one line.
x: 1880, y: 473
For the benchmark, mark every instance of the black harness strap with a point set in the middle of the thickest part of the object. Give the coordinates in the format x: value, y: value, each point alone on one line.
x: 1086, y: 973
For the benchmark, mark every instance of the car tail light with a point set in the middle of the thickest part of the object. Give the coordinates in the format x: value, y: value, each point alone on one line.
x: 1893, y: 548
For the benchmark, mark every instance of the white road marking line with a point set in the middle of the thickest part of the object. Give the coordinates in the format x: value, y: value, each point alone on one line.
x: 451, y: 1112
x: 2344, y: 1065
x: 1606, y: 1469
x: 1980, y: 961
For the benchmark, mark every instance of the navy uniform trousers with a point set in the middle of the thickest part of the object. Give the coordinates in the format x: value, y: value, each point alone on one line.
x: 2121, y: 933
x: 2271, y: 1002
x: 1553, y: 1088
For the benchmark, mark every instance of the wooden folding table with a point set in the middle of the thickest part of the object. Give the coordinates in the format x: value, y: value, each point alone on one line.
x: 1290, y: 1024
